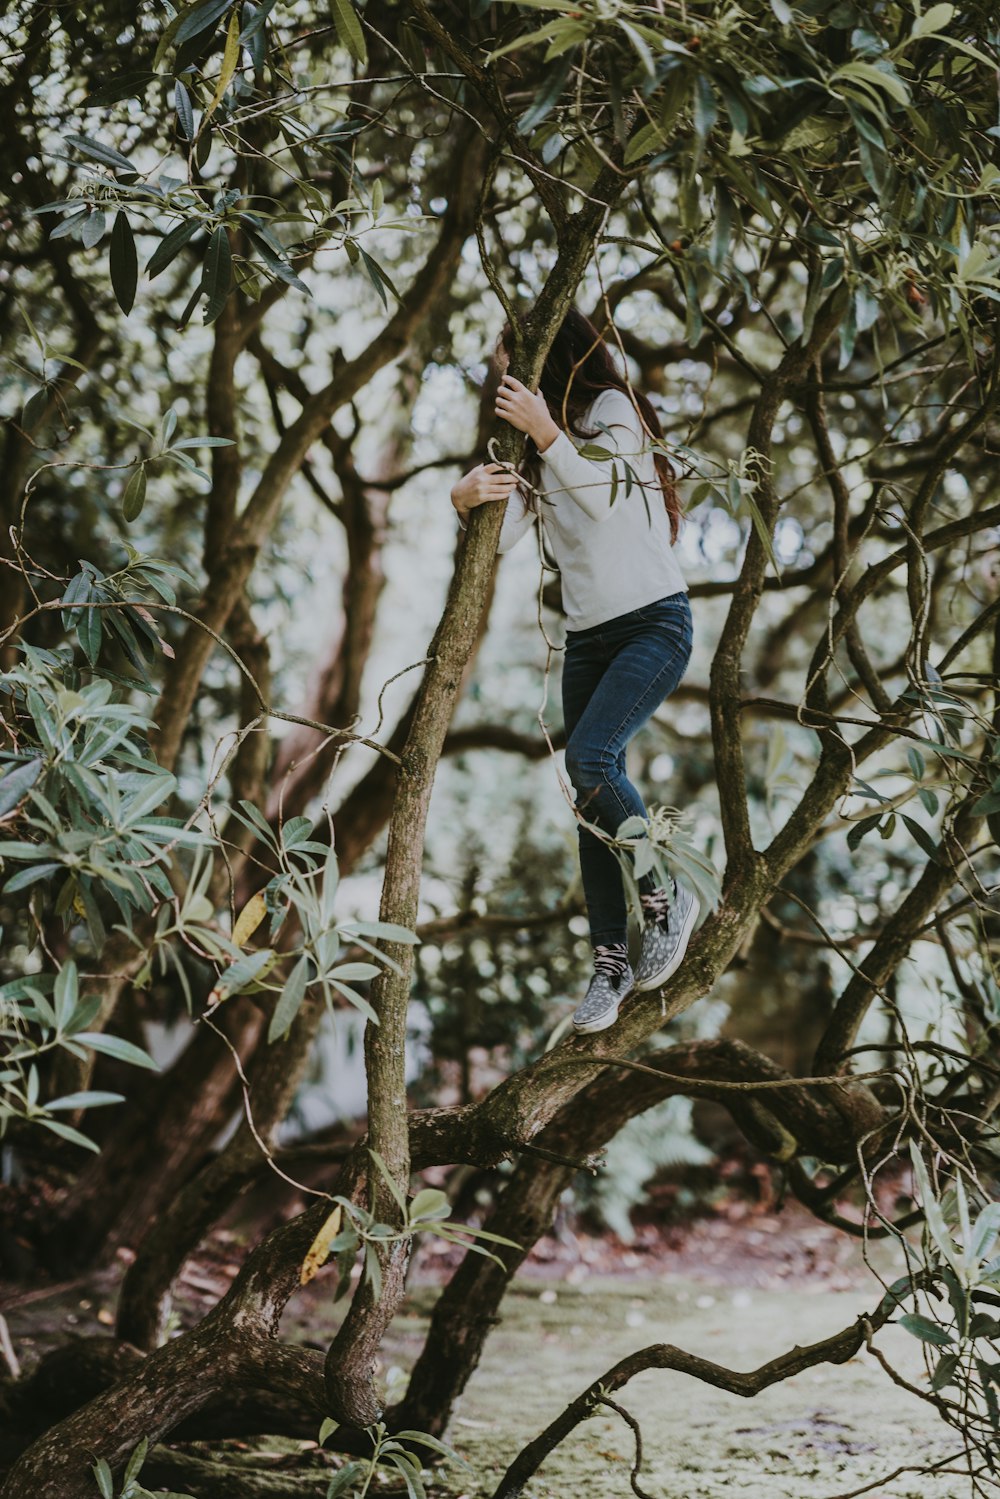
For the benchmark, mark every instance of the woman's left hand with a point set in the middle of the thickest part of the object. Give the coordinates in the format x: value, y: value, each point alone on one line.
x: 526, y: 410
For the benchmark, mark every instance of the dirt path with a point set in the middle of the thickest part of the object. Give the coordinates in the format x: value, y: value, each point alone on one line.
x: 736, y: 1291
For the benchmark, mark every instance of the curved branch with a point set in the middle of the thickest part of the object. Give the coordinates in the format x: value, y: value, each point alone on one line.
x: 725, y: 673
x: 836, y: 1349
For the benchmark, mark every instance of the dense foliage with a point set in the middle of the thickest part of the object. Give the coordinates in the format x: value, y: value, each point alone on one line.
x: 250, y: 282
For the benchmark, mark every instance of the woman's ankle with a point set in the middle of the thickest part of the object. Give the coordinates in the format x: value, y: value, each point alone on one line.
x: 611, y: 955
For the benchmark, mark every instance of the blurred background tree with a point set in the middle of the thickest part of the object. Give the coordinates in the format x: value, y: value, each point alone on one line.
x: 250, y: 284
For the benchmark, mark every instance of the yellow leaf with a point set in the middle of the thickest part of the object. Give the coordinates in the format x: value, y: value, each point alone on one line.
x: 249, y: 919
x: 230, y: 58
x: 319, y: 1249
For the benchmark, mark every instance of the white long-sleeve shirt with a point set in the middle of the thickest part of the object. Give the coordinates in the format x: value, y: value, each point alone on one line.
x: 613, y: 552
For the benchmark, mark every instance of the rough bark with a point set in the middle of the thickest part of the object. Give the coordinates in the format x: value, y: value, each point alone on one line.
x: 205, y: 1479
x: 144, y: 1301
x: 350, y: 1360
x: 229, y: 1352
x: 468, y: 1307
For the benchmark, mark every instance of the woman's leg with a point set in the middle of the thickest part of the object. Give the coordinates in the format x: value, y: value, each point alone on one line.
x: 585, y: 663
x: 648, y: 658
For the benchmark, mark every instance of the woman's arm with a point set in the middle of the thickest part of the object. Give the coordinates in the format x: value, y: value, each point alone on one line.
x: 482, y: 484
x: 517, y: 521
x: 490, y: 482
x: 588, y: 481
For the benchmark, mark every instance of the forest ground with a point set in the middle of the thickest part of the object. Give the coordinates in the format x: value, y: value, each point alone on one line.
x: 738, y: 1286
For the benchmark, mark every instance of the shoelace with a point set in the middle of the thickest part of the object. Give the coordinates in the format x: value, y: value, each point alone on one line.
x: 657, y: 904
x: 610, y: 958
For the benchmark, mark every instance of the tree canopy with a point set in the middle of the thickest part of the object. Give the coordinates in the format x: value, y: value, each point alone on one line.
x: 255, y: 259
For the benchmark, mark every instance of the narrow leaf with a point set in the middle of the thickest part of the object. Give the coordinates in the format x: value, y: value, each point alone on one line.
x: 135, y: 494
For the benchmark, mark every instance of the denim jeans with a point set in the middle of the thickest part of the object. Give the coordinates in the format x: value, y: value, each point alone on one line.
x: 614, y: 675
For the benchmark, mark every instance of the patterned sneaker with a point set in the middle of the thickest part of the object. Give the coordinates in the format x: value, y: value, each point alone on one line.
x: 669, y: 922
x: 611, y: 983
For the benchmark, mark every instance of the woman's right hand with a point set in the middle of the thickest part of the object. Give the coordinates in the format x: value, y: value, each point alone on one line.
x: 485, y: 482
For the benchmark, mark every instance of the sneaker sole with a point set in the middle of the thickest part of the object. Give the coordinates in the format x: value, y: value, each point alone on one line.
x: 677, y: 958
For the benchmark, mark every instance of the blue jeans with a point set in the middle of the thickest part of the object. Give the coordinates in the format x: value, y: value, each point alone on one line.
x: 614, y: 675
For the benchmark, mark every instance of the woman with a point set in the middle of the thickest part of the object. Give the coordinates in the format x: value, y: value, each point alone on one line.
x: 611, y: 522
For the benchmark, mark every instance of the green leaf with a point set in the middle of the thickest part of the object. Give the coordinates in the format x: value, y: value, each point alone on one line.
x: 67, y: 1132
x: 184, y: 111
x: 135, y: 494
x: 124, y: 262
x: 352, y: 972
x: 88, y: 1100
x: 198, y: 17
x: 428, y: 1441
x: 349, y: 32
x: 66, y: 994
x: 430, y: 1203
x: 379, y: 278
x: 862, y: 829
x: 935, y: 19
x: 649, y: 138
x: 343, y: 1481
x: 127, y: 86
x: 944, y: 1374
x: 552, y: 85
x: 923, y: 1328
x: 373, y: 1271
x: 171, y: 245
x: 883, y: 78
x: 105, y: 1482
x: 217, y: 273
x: 34, y: 407
x: 356, y: 1000
x: 93, y: 229
x: 230, y: 59
x: 18, y: 782
x: 105, y: 154
x: 30, y: 876
x: 933, y: 1216
x: 706, y: 111
x: 409, y: 1468
x: 390, y: 930
x: 88, y: 622
x: 922, y: 837
x: 290, y: 999
x: 984, y: 1231
x: 387, y: 1177
x: 136, y: 1461
x: 329, y: 1425
x: 723, y: 226
x: 114, y: 1046
x: 244, y: 972
x: 257, y: 21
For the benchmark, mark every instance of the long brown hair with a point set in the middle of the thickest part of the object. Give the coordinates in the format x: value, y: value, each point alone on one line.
x: 578, y: 367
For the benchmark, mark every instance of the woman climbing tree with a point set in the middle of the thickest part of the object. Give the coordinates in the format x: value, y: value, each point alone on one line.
x: 611, y: 523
